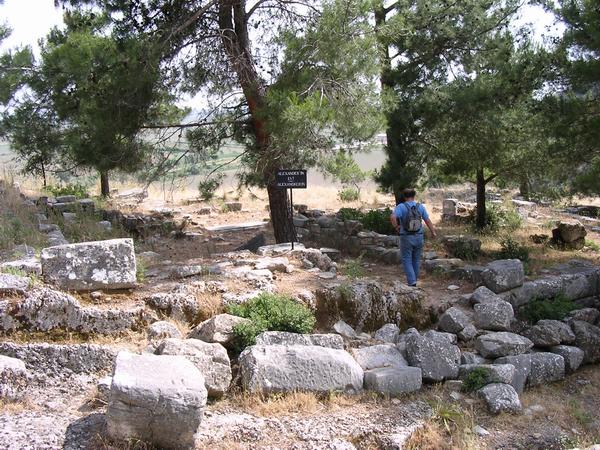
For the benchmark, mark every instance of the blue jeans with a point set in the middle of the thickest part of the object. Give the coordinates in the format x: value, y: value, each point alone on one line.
x: 411, y: 248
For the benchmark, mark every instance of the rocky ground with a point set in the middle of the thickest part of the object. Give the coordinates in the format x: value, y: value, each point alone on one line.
x: 61, y: 333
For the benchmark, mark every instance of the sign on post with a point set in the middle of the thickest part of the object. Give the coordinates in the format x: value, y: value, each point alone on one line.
x: 292, y: 179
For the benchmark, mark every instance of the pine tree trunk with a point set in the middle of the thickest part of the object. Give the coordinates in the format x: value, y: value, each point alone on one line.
x: 233, y: 24
x: 481, y: 213
x: 104, y: 185
x: 283, y: 226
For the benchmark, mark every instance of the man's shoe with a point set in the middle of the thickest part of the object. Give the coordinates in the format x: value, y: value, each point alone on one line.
x: 413, y: 285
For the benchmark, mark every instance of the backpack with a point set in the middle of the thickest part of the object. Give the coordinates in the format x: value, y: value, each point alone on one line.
x: 412, y: 222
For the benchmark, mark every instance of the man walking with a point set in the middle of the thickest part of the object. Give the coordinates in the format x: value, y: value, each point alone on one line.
x: 407, y: 219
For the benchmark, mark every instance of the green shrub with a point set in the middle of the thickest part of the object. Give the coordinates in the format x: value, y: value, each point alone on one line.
x: 270, y: 312
x: 498, y: 217
x: 350, y: 214
x: 555, y: 308
x: 463, y: 250
x: 476, y: 379
x: 512, y: 249
x: 592, y: 245
x: 349, y: 194
x: 78, y: 190
x: 353, y: 268
x: 379, y: 221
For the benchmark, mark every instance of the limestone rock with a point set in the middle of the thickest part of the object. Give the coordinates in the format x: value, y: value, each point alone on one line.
x: 441, y: 336
x: 103, y: 389
x: 61, y: 360
x: 286, y: 338
x: 468, y: 333
x: 162, y: 330
x: 383, y: 355
x: 90, y: 265
x: 13, y: 284
x: 366, y: 305
x: 589, y: 315
x: 522, y: 365
x: 14, y: 379
x: 388, y: 333
x: 393, y: 380
x: 471, y: 358
x: 587, y: 338
x: 279, y: 264
x: 178, y: 306
x: 461, y: 246
x: 453, y: 320
x: 503, y: 275
x: 500, y: 398
x: 217, y: 329
x: 29, y: 265
x: 279, y: 368
x: 343, y: 329
x: 571, y: 231
x: 156, y: 399
x: 494, y: 345
x: 211, y: 360
x: 547, y: 333
x: 438, y: 359
x: 573, y: 356
x: 484, y: 295
x: 496, y: 373
x: 496, y: 316
x: 545, y: 368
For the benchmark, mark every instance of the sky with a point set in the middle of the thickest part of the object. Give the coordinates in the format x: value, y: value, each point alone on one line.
x: 31, y: 20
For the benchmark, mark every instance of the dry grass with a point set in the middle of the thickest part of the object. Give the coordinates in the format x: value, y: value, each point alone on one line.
x: 18, y: 224
x: 211, y: 304
x: 16, y: 407
x: 293, y: 403
x: 130, y: 340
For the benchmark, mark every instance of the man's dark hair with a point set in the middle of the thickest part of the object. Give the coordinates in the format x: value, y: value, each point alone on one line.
x: 409, y: 193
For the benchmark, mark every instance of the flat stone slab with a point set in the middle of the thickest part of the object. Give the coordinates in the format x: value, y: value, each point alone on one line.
x: 90, y: 265
x: 238, y: 226
x: 393, y: 380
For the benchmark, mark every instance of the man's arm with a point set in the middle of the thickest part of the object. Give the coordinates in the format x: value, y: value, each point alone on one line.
x: 430, y: 226
x: 394, y: 221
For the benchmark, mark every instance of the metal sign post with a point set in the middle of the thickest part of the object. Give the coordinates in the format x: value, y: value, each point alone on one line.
x: 291, y: 178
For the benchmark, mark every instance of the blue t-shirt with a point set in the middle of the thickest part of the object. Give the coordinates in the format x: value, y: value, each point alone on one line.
x: 401, y: 211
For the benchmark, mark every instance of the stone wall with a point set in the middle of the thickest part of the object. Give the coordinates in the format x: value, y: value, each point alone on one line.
x: 347, y: 236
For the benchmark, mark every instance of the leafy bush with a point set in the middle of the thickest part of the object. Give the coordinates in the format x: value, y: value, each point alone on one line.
x: 76, y: 189
x: 349, y: 194
x: 378, y: 221
x: 476, y: 379
x: 209, y: 186
x: 270, y: 312
x: 512, y: 249
x: 350, y: 214
x: 353, y: 268
x: 555, y: 308
x: 498, y: 218
x: 464, y: 250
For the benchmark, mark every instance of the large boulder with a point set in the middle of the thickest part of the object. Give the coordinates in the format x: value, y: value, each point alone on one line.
x: 388, y: 333
x: 587, y: 338
x: 393, y: 380
x: 484, y: 295
x: 217, y: 329
x: 286, y: 338
x: 503, y: 275
x: 279, y: 368
x: 495, y: 373
x: 495, y: 345
x: 437, y: 358
x: 496, y: 316
x: 522, y: 365
x: 90, y: 265
x: 547, y: 333
x: 211, y: 360
x: 545, y: 368
x: 570, y: 234
x: 156, y: 399
x: 367, y: 306
x: 454, y: 320
x: 573, y: 356
x: 384, y: 355
x: 14, y: 379
x: 162, y: 330
x: 500, y: 397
